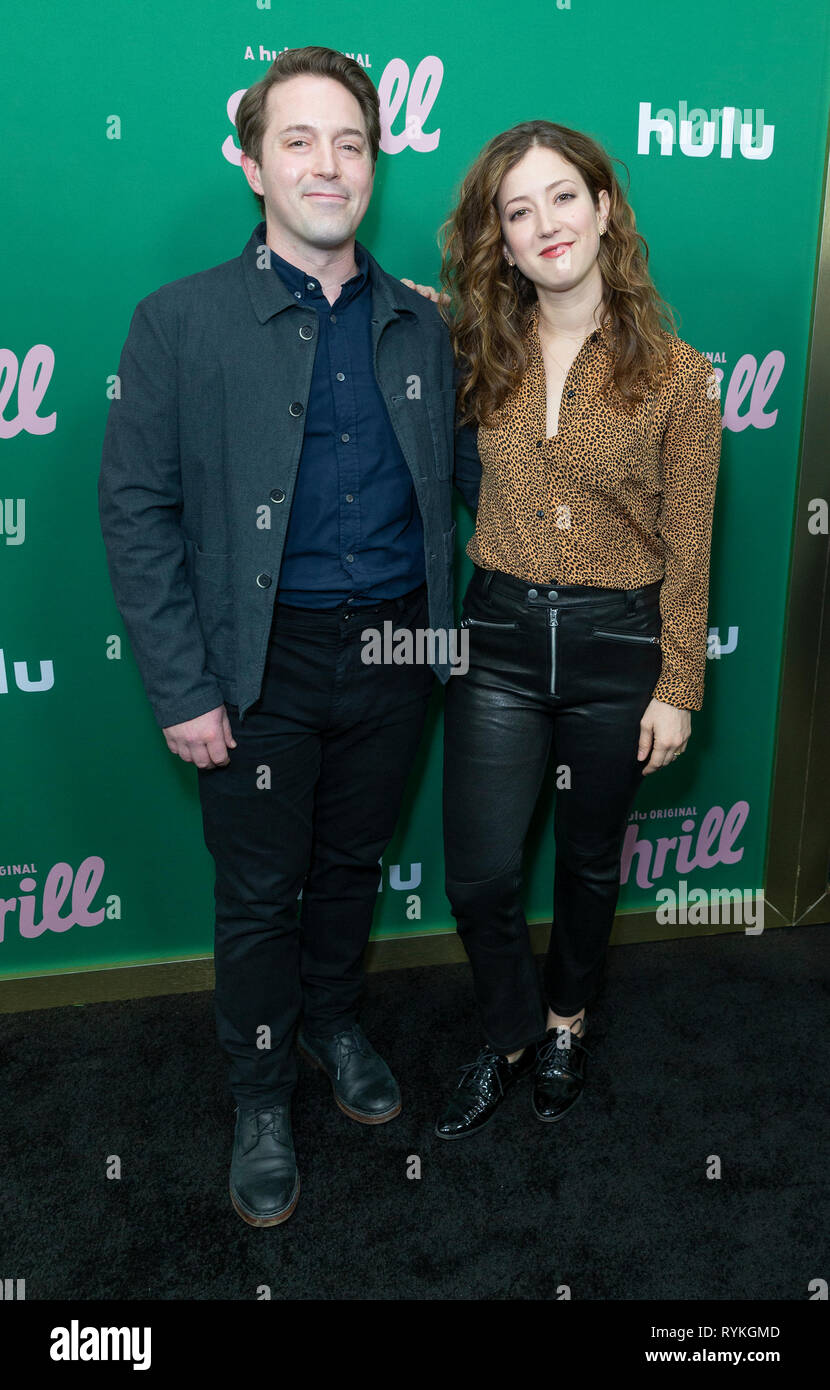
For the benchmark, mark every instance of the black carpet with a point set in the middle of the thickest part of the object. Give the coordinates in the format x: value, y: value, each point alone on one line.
x: 700, y: 1048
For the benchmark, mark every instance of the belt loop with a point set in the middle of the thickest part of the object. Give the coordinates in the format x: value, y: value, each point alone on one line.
x: 488, y: 579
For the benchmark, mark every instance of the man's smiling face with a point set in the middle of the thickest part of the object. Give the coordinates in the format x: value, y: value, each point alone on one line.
x: 316, y: 174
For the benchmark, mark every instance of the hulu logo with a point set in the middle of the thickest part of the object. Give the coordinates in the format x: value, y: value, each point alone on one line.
x: 697, y: 132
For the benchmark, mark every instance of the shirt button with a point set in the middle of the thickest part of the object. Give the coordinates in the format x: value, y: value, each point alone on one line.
x: 278, y: 495
x: 345, y: 438
x: 349, y: 497
x: 306, y: 331
x: 263, y: 580
x: 541, y: 514
x: 295, y: 408
x: 332, y: 318
x: 350, y: 559
x: 298, y: 294
x: 310, y: 285
x: 340, y: 376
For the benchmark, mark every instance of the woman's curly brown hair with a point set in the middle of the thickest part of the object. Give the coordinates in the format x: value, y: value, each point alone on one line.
x: 489, y: 303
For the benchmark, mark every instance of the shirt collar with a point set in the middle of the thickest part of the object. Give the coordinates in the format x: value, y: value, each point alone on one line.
x: 305, y: 285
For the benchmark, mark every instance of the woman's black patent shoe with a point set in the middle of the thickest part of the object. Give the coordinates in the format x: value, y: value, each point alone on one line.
x: 559, y: 1073
x: 484, y: 1084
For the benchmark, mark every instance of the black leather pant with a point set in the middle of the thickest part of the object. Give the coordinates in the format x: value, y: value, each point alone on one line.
x: 567, y: 670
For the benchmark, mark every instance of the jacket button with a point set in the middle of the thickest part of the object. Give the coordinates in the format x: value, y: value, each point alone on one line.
x: 278, y: 495
x: 553, y: 593
x: 306, y: 331
x: 533, y: 593
x: 264, y: 581
x: 295, y: 408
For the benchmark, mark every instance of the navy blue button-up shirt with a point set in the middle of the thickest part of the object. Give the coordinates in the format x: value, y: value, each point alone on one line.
x: 355, y: 533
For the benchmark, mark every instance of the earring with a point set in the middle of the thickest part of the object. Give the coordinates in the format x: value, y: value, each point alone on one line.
x: 509, y: 262
x: 602, y: 229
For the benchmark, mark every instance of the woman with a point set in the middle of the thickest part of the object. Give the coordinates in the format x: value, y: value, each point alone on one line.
x: 599, y: 438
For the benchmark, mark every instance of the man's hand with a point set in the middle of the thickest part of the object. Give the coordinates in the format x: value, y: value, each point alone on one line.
x: 664, y: 731
x: 204, y: 741
x: 427, y: 291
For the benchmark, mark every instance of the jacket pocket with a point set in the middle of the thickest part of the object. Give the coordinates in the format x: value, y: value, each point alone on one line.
x: 210, y: 580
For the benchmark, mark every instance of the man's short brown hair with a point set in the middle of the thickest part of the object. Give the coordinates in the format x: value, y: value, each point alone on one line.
x: 251, y: 113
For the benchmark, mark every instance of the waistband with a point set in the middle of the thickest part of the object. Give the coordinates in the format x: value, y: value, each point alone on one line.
x: 347, y: 609
x: 544, y: 593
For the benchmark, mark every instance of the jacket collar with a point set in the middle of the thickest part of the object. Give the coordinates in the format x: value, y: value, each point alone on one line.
x: 269, y: 295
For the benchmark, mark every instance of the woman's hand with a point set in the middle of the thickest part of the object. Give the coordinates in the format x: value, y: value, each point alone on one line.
x: 664, y: 732
x: 427, y: 291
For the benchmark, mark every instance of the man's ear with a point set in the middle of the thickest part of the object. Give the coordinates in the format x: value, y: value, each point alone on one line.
x: 251, y: 171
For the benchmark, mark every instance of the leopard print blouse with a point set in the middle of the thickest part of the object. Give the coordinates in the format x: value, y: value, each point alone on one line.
x: 612, y: 499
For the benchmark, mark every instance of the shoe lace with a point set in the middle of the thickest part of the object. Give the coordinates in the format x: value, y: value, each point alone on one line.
x: 552, y: 1049
x: 271, y: 1124
x: 484, y: 1062
x: 351, y: 1040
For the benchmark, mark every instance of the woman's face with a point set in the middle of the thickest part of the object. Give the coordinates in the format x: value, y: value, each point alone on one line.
x: 549, y: 224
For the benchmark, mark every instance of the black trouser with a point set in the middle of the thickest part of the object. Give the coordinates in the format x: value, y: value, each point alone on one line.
x: 308, y: 801
x: 564, y: 669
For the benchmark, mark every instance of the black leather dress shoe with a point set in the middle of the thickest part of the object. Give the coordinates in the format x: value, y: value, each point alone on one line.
x: 559, y: 1074
x: 363, y: 1085
x: 264, y: 1182
x: 484, y: 1084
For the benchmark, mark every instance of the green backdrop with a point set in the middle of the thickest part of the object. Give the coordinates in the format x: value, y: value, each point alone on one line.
x: 120, y: 174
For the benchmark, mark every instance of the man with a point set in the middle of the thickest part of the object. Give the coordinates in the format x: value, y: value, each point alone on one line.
x: 276, y: 477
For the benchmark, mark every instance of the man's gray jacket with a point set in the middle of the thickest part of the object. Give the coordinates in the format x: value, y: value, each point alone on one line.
x: 200, y: 458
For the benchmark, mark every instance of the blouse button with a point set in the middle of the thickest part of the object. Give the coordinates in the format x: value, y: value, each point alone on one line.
x: 571, y: 393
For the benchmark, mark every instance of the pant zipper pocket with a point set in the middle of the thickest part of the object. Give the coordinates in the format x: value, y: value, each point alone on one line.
x: 478, y: 622
x: 626, y: 636
x: 553, y: 623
